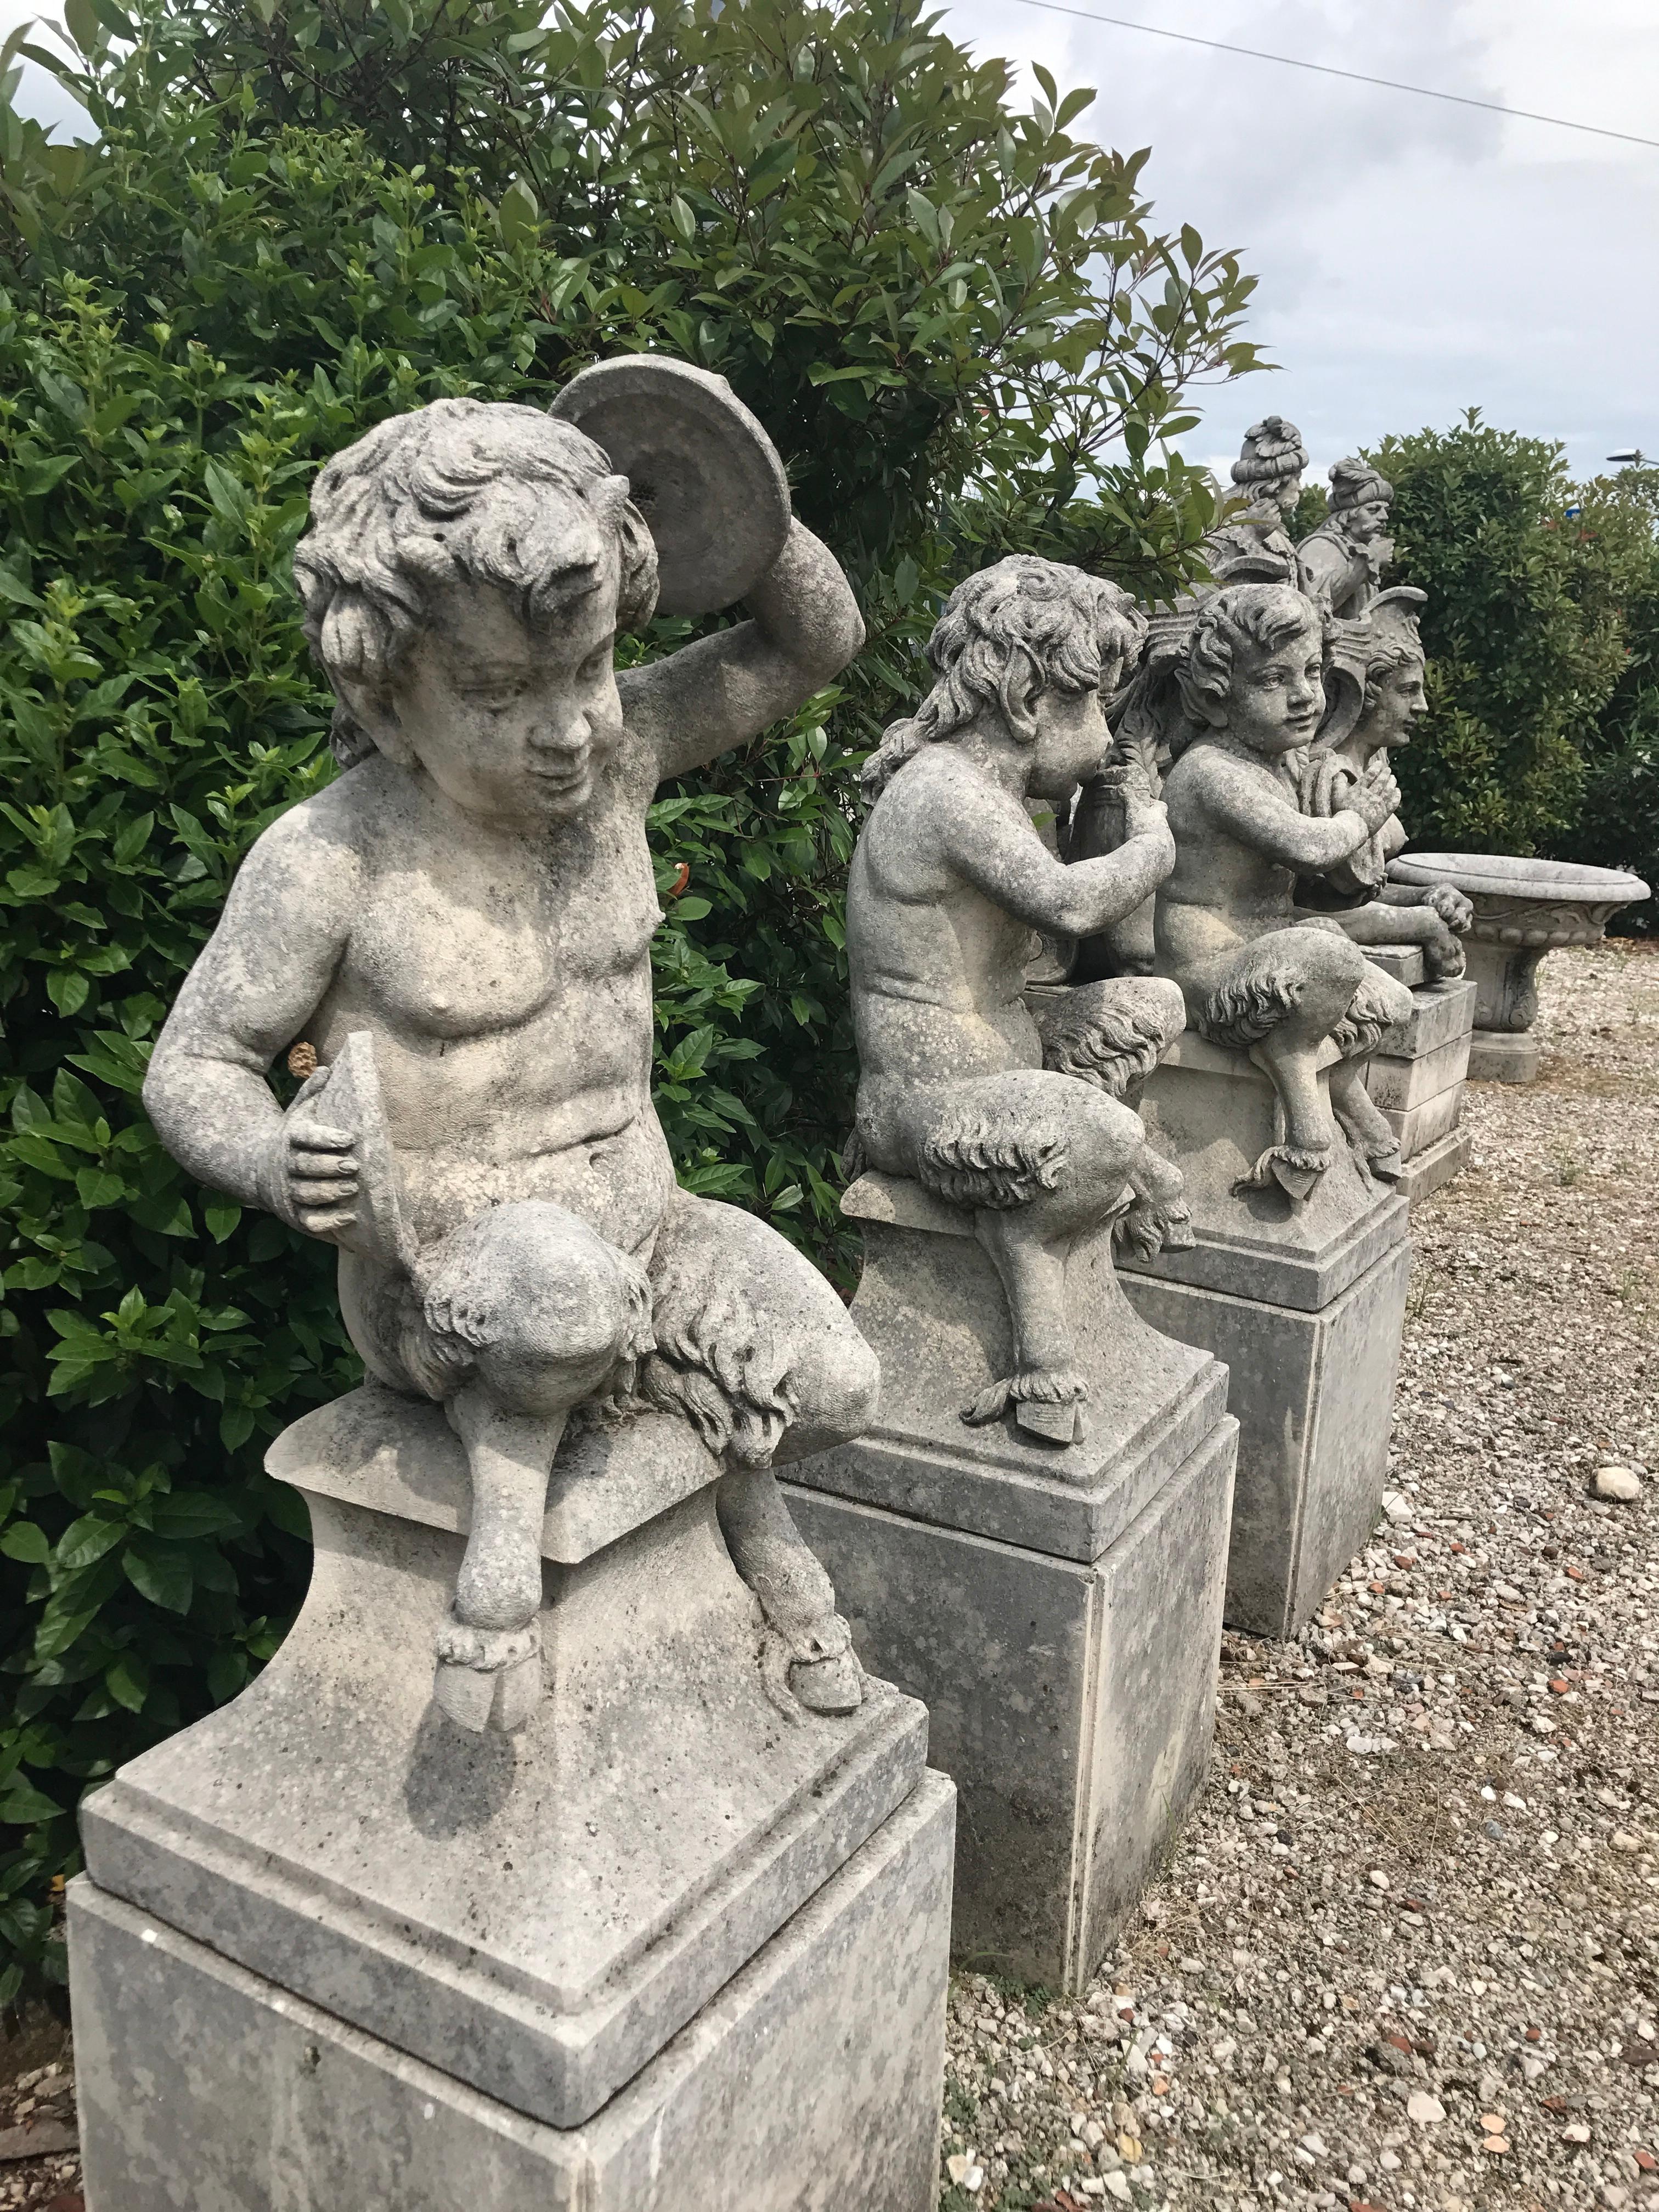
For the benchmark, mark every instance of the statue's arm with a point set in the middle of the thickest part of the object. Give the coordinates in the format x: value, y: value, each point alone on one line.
x: 991, y: 845
x: 256, y: 983
x: 804, y: 626
x: 1268, y: 824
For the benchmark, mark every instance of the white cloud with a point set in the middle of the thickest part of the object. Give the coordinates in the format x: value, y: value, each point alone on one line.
x: 1415, y: 257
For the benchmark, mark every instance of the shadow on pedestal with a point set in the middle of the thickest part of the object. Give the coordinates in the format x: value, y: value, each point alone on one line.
x: 1059, y: 1609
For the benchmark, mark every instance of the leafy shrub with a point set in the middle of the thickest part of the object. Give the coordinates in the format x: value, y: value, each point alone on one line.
x: 1524, y: 628
x: 945, y: 310
x: 1617, y: 824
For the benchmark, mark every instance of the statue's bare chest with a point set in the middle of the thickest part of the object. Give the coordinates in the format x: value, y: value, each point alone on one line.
x: 445, y: 947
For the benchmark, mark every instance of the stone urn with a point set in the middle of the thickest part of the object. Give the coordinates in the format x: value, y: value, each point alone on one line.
x: 1522, y: 909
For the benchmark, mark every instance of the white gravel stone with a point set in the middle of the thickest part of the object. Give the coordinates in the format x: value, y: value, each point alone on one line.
x: 1621, y: 1483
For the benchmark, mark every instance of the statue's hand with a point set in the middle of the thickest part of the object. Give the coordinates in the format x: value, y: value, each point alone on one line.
x: 1144, y: 816
x: 1375, y: 796
x: 1457, y: 911
x: 1324, y: 783
x: 314, y: 1173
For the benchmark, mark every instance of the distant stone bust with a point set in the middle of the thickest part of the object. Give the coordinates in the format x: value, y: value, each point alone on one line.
x: 1374, y: 683
x: 1341, y: 562
x: 1256, y: 547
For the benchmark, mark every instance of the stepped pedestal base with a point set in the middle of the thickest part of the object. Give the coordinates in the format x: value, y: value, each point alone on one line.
x: 611, y: 1960
x: 810, y: 2083
x: 1504, y: 1056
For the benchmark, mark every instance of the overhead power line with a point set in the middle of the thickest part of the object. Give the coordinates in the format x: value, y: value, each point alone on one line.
x: 1325, y: 68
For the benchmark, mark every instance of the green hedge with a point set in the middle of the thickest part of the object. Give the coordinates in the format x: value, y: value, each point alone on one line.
x: 1534, y: 584
x: 947, y: 311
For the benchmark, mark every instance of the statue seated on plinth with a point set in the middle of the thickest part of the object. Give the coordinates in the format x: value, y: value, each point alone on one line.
x: 455, y: 936
x: 1010, y: 1111
x: 1256, y: 974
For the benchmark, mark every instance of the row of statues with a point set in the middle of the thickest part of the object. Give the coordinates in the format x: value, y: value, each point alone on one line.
x: 454, y: 938
x: 1241, y: 745
x: 571, y: 1732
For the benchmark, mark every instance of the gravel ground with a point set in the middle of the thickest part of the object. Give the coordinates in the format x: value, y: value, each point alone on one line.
x: 1405, y: 1953
x: 39, y: 2171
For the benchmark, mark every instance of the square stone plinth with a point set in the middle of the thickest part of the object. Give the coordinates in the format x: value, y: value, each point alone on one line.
x: 1058, y: 1609
x: 1304, y: 1302
x: 534, y: 1914
x: 1071, y: 1702
x: 1313, y: 1392
x: 810, y: 2083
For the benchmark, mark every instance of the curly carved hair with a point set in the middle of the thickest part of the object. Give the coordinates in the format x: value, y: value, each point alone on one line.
x: 1022, y: 620
x: 481, y: 490
x: 1262, y: 616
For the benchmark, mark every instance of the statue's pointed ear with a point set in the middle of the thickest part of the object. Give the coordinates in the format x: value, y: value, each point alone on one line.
x: 373, y: 716
x: 1017, y: 694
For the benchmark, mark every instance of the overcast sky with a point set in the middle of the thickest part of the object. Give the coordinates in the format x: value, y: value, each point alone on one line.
x: 1414, y: 259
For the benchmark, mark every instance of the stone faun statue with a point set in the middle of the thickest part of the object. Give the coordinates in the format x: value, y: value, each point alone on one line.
x: 1255, y: 547
x: 1008, y: 1110
x: 1256, y: 975
x: 457, y: 930
x: 1343, y: 560
x: 1374, y: 671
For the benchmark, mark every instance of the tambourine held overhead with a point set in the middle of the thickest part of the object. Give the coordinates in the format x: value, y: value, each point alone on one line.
x: 700, y: 469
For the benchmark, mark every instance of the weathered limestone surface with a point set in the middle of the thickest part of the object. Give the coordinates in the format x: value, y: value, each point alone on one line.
x: 1340, y: 563
x: 1304, y: 1304
x: 569, y: 1736
x: 207, y: 2088
x: 1059, y: 1618
x: 1416, y: 1077
x: 535, y: 1914
x: 1255, y: 547
x: 1035, y: 1448
x: 1312, y: 1390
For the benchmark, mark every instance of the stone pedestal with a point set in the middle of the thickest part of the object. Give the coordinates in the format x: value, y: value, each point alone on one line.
x: 1058, y: 1609
x: 1417, y: 1076
x: 1306, y: 1303
x: 504, y: 1938
x: 1504, y: 1056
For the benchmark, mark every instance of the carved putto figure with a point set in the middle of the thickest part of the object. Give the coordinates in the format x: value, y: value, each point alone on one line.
x: 1255, y: 547
x: 1343, y: 560
x: 1011, y: 1112
x: 1257, y: 976
x: 1374, y: 672
x: 459, y: 929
